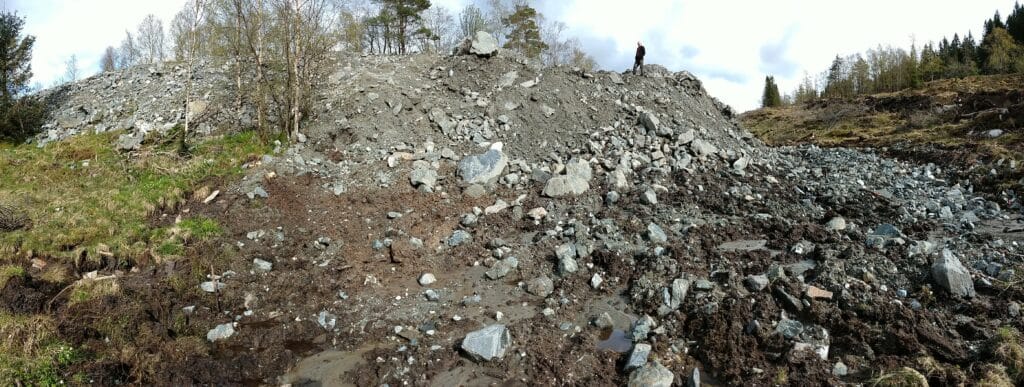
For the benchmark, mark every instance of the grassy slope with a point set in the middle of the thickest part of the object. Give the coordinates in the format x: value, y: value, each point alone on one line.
x: 84, y: 198
x: 82, y: 193
x: 853, y: 123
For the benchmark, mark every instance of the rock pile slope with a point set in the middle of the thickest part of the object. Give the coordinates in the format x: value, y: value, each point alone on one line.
x: 469, y: 220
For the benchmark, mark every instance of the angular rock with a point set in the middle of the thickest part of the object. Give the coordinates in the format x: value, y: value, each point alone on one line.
x: 426, y: 279
x: 642, y: 328
x: 423, y: 177
x: 130, y: 141
x: 326, y: 320
x: 483, y: 168
x: 638, y: 356
x: 950, y: 274
x: 615, y: 78
x: 211, y: 286
x: 575, y: 182
x: 790, y: 328
x: 756, y: 283
x: 686, y: 137
x: 650, y: 121
x: 459, y: 237
x: 221, y: 332
x: 655, y: 234
x: 261, y: 265
x: 507, y: 80
x: 741, y: 163
x: 604, y: 321
x: 502, y: 268
x: 815, y: 292
x: 836, y: 224
x: 680, y: 287
x: 567, y: 266
x: 701, y: 148
x: 651, y: 375
x: 650, y: 197
x: 538, y: 213
x: 560, y: 186
x: 483, y: 44
x: 488, y: 343
x: 541, y: 286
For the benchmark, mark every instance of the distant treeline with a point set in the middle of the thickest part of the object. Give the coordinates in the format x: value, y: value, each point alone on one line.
x: 888, y: 69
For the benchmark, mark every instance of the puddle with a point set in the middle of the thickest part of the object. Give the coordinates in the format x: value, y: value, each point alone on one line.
x: 614, y: 340
x: 326, y: 368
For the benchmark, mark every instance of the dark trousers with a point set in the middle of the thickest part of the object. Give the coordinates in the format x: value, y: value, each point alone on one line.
x: 638, y: 63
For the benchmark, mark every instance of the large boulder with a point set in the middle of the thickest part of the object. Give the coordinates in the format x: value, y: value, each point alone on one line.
x: 651, y: 375
x: 488, y: 343
x: 484, y: 168
x: 482, y: 44
x: 950, y: 274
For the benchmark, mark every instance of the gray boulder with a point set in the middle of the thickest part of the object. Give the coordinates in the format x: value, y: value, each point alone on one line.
x: 425, y: 177
x: 655, y: 234
x: 559, y: 186
x: 541, y: 286
x: 483, y: 168
x: 575, y: 182
x: 488, y: 343
x: 638, y: 357
x: 651, y: 375
x: 130, y: 141
x: 949, y: 273
x: 650, y: 121
x: 483, y: 44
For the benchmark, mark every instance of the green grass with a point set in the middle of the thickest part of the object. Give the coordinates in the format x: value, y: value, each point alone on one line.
x: 1008, y: 348
x: 201, y: 228
x: 10, y: 271
x: 30, y: 352
x: 81, y: 192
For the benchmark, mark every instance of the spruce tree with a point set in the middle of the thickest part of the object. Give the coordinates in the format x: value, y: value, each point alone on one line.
x: 1015, y: 23
x: 771, y: 97
x: 20, y: 116
x: 524, y: 34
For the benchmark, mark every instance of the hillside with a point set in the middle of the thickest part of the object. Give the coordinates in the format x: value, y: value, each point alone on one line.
x: 468, y: 220
x: 972, y: 122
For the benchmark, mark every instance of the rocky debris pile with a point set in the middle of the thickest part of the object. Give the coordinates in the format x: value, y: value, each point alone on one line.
x: 574, y: 208
x: 140, y: 100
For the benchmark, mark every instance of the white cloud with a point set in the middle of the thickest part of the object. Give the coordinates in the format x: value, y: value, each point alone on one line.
x: 729, y: 44
x: 83, y: 28
x: 729, y: 37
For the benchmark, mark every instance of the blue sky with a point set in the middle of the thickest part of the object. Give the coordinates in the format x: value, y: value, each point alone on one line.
x: 730, y: 44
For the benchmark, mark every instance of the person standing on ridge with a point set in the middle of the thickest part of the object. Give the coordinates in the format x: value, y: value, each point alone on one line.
x: 640, y: 52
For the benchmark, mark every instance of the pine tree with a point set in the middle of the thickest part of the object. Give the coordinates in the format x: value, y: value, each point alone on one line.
x: 524, y: 33
x: 20, y: 116
x: 771, y: 97
x: 408, y: 15
x: 1015, y: 23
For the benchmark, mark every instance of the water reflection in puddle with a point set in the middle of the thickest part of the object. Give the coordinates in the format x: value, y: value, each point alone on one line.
x: 614, y: 340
